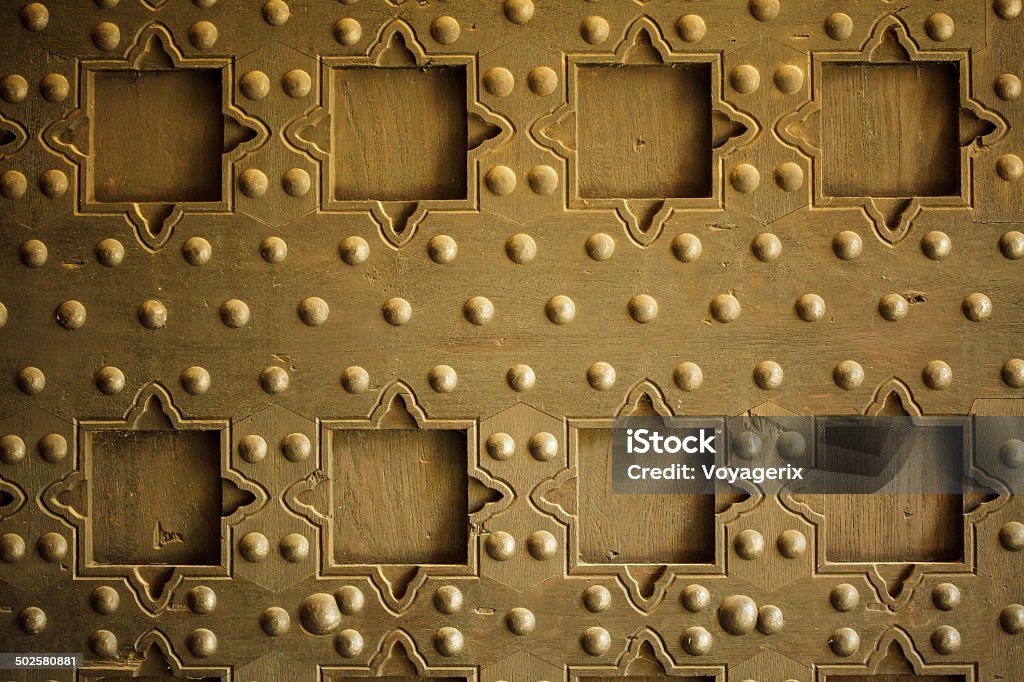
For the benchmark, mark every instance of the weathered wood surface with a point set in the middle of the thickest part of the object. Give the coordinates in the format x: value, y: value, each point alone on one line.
x: 315, y: 316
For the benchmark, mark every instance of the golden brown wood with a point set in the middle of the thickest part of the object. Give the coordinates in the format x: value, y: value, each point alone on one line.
x: 316, y: 316
x: 881, y: 150
x: 160, y: 500
x: 411, y: 511
x: 386, y: 148
x: 902, y: 678
x: 174, y: 115
x: 677, y: 529
x: 658, y: 139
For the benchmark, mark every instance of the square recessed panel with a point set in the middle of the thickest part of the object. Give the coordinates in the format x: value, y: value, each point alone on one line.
x: 890, y: 130
x: 623, y: 529
x: 155, y: 497
x: 400, y: 497
x: 891, y: 525
x: 644, y: 132
x: 400, y: 134
x: 158, y: 136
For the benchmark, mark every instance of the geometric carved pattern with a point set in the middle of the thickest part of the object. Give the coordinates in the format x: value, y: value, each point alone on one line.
x: 316, y: 316
x: 850, y: 127
x: 370, y: 103
x: 671, y: 156
x: 155, y: 90
x: 126, y: 524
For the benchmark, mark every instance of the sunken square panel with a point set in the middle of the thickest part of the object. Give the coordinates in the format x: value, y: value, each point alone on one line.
x: 158, y: 136
x: 147, y: 678
x: 890, y: 130
x: 651, y: 678
x: 400, y: 496
x: 675, y: 528
x: 411, y: 677
x: 896, y: 677
x: 155, y: 497
x: 911, y: 526
x: 400, y: 134
x: 644, y: 131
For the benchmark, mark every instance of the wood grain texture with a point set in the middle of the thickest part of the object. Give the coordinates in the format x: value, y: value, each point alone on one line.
x: 897, y: 677
x: 916, y: 527
x: 144, y: 678
x: 400, y: 133
x: 518, y: 219
x: 411, y: 677
x: 400, y: 497
x: 158, y: 136
x: 675, y: 528
x: 156, y: 497
x: 890, y: 130
x: 653, y: 143
x: 651, y: 678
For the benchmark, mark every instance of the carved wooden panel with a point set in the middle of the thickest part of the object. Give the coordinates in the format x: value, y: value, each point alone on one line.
x: 316, y: 315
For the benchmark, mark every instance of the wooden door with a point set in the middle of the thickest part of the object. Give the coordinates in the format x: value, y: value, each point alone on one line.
x: 316, y: 315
